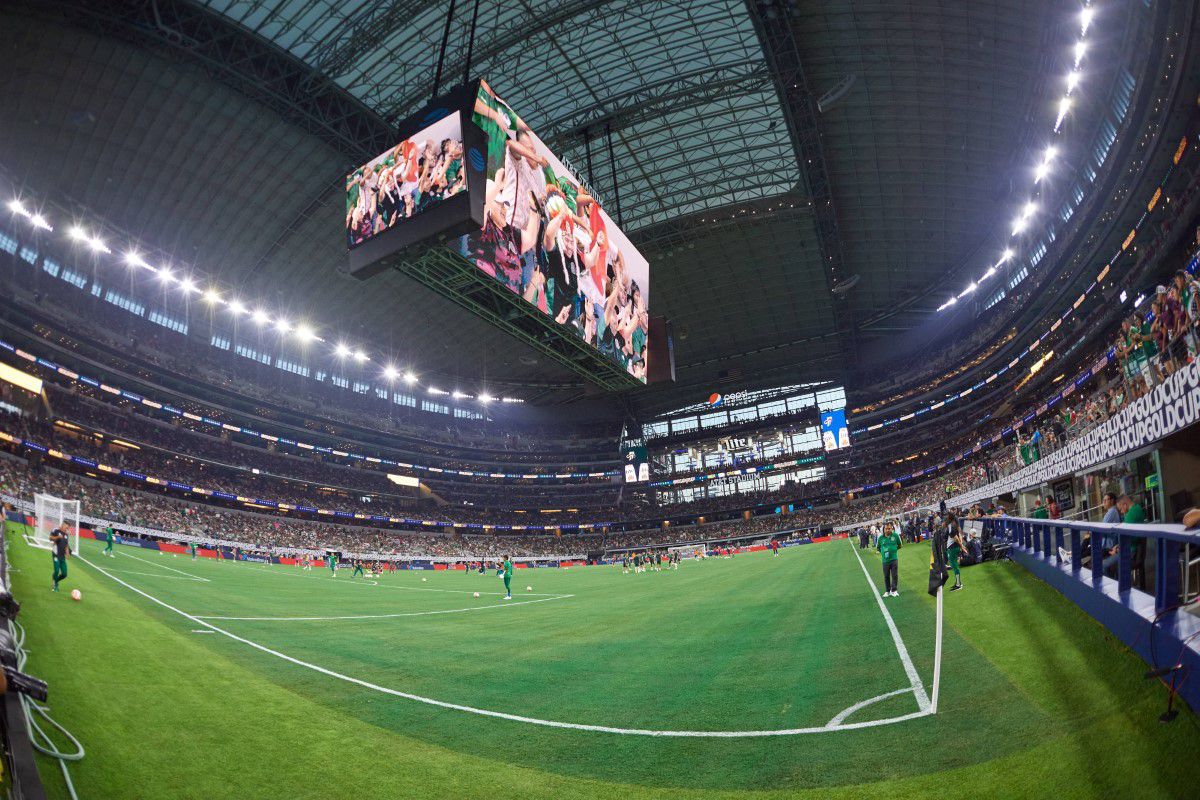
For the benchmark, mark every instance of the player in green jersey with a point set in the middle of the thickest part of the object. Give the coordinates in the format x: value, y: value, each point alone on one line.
x: 59, y: 550
x: 108, y: 542
x: 508, y: 568
x: 888, y: 546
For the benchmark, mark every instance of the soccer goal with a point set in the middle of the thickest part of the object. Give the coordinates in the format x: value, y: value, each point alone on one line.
x: 688, y: 550
x: 50, y: 512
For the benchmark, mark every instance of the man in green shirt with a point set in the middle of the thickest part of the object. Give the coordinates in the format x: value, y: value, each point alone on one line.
x: 1039, y: 510
x: 59, y: 550
x: 507, y: 577
x: 108, y: 542
x: 192, y: 547
x: 888, y: 546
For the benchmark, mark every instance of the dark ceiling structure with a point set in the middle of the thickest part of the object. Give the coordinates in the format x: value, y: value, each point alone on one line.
x: 808, y: 179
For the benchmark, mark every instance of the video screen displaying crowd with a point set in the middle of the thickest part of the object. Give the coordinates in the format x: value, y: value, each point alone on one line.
x: 416, y: 174
x: 548, y: 240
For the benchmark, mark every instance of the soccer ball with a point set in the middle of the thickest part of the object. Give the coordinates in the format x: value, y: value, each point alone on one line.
x: 529, y: 588
x: 477, y: 594
x: 424, y: 579
x: 76, y: 594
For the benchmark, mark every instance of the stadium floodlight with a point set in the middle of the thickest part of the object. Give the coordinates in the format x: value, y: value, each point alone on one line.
x: 305, y: 333
x: 260, y: 316
x: 342, y: 350
x: 41, y: 222
x: 77, y: 233
x: 212, y: 296
x: 1006, y: 255
x: 1073, y: 80
x: 968, y: 290
x: 134, y: 259
x: 165, y: 275
x: 410, y: 378
x: 98, y: 246
x: 1080, y: 49
x: 435, y: 390
x: 17, y: 207
x: 486, y: 398
x: 187, y: 284
x: 390, y: 373
x: 991, y: 271
x: 236, y: 307
x: 1085, y: 19
x: 457, y: 395
x: 1064, y: 106
x: 1043, y: 168
x: 282, y: 325
x: 947, y: 304
x: 360, y: 356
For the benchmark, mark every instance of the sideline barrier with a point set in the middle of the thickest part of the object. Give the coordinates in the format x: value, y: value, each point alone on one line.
x: 1152, y: 624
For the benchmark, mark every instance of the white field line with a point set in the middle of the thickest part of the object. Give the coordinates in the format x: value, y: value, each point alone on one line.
x: 500, y: 714
x: 842, y: 715
x: 918, y: 688
x: 160, y: 575
x: 162, y: 566
x: 353, y: 581
x: 385, y: 616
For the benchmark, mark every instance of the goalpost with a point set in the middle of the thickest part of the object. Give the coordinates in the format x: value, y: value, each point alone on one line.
x: 50, y: 512
x: 688, y: 550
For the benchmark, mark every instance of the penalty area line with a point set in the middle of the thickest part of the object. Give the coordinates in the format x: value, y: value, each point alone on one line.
x: 484, y: 712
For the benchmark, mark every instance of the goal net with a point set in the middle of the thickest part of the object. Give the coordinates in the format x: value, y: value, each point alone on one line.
x: 50, y: 512
x: 688, y: 550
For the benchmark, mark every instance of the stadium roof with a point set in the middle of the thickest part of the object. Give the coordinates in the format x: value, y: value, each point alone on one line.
x: 765, y: 152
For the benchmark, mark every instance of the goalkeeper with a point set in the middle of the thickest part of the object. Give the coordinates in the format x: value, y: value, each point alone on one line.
x: 108, y: 542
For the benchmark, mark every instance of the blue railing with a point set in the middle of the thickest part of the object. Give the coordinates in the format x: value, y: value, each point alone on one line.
x: 1148, y: 616
x: 1049, y: 537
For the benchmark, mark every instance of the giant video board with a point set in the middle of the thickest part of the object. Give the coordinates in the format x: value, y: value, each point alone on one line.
x: 467, y: 173
x: 547, y: 239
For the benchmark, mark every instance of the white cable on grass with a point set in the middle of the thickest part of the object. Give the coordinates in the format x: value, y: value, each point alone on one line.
x: 35, y: 711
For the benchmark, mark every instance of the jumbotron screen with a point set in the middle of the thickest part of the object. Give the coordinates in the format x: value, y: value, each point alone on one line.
x: 835, y: 433
x: 548, y: 240
x: 406, y: 180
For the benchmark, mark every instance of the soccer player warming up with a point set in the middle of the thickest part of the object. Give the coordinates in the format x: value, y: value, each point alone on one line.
x: 59, y: 551
x: 507, y: 573
x: 954, y: 548
x: 888, y: 546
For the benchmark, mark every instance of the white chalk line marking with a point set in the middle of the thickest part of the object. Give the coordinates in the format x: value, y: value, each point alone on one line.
x: 484, y: 712
x: 384, y: 616
x: 841, y: 717
x: 160, y: 575
x: 162, y: 566
x: 914, y: 679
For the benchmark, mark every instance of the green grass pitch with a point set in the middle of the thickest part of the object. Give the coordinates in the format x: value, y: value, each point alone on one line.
x: 313, y: 691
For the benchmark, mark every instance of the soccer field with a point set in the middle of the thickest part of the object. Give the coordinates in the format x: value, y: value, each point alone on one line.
x: 722, y: 679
